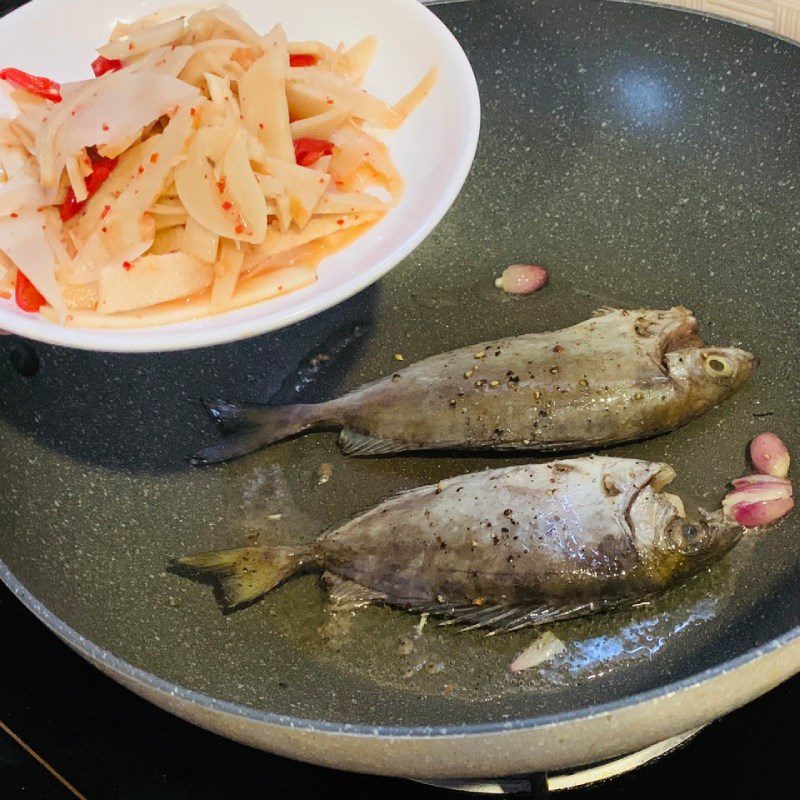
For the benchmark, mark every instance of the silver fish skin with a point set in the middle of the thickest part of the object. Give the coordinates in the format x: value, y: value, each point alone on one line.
x: 616, y: 377
x: 502, y: 548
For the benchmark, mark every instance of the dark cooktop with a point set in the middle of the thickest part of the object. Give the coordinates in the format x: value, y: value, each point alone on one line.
x: 109, y: 744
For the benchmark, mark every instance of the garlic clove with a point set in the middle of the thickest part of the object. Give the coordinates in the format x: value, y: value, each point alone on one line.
x: 546, y: 647
x: 522, y: 279
x: 769, y: 455
x: 757, y: 515
x: 758, y: 493
x: 749, y: 480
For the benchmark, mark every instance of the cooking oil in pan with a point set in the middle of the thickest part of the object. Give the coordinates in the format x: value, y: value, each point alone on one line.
x: 416, y: 654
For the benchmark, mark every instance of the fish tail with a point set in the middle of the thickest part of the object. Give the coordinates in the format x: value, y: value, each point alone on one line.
x: 253, y: 426
x: 247, y: 573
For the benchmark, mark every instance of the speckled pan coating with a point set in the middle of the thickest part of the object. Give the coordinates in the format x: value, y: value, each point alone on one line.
x: 647, y: 157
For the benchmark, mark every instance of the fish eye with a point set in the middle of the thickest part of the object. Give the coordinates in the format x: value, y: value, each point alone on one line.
x: 690, y: 533
x: 685, y: 537
x: 717, y: 366
x: 694, y: 538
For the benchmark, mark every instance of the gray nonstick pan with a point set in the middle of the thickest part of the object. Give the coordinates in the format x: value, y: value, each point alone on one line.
x: 648, y: 157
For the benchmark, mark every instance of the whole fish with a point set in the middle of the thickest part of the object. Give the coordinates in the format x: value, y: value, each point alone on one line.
x: 616, y: 377
x: 504, y: 548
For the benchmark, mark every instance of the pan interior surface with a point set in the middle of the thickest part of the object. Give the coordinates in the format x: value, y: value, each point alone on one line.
x: 653, y: 168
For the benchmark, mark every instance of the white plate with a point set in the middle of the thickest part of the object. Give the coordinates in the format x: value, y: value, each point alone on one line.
x: 433, y: 150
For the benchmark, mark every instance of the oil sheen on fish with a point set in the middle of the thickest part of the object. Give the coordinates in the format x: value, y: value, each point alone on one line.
x: 616, y: 377
x: 504, y: 548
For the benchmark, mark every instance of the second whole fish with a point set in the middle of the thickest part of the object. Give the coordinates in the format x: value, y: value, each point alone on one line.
x: 619, y: 376
x: 503, y: 549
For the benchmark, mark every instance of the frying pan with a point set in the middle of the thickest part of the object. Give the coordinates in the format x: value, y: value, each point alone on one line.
x: 648, y: 157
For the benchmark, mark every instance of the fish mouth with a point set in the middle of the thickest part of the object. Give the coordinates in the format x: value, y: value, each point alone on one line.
x: 682, y: 334
x: 679, y: 335
x: 672, y: 330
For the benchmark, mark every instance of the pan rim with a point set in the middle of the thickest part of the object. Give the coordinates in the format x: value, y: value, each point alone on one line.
x: 118, y: 666
x: 94, y: 653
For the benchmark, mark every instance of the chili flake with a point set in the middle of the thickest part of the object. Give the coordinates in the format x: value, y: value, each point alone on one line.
x: 309, y: 151
x: 102, y: 65
x: 302, y: 59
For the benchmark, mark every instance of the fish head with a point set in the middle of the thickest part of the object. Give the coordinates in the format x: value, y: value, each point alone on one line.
x: 672, y: 545
x: 709, y: 374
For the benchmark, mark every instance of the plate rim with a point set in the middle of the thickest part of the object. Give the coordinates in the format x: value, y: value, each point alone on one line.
x: 160, y: 338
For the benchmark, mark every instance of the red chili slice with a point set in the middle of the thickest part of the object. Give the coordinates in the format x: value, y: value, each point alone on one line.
x: 70, y: 207
x: 101, y: 169
x: 43, y: 87
x: 101, y: 65
x: 302, y: 59
x: 27, y: 295
x: 308, y: 151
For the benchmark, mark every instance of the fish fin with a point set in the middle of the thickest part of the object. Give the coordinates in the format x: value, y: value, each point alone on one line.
x: 346, y: 594
x: 245, y: 574
x: 232, y: 417
x: 500, y: 618
x: 469, y: 615
x: 353, y: 443
x: 229, y: 448
x: 493, y: 618
x: 604, y: 311
x: 530, y: 617
x: 254, y: 426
